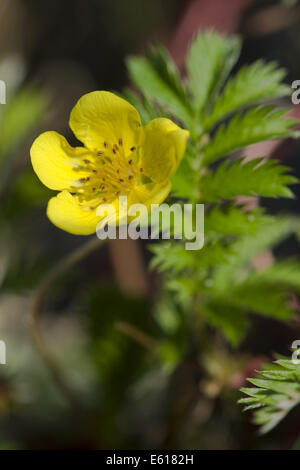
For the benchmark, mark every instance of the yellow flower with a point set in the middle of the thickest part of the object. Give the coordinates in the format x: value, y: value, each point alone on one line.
x: 119, y: 158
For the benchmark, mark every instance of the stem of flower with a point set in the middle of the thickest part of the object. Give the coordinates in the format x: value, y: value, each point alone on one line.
x: 137, y: 335
x: 38, y: 299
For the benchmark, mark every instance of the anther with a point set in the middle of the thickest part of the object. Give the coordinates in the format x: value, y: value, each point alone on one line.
x: 100, y: 153
x: 130, y: 177
x: 121, y: 180
x: 141, y: 170
x: 102, y: 187
x: 115, y: 148
x: 86, y: 161
x: 133, y: 149
x: 105, y: 145
x: 120, y: 142
x: 95, y: 171
x: 130, y: 162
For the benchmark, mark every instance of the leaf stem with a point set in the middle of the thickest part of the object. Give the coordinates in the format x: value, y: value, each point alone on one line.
x: 35, y: 313
x: 137, y: 335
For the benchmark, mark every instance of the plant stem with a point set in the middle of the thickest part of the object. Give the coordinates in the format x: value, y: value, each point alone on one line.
x: 137, y: 335
x: 38, y: 299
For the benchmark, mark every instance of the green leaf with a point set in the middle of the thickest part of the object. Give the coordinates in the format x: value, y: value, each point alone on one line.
x: 157, y: 79
x: 256, y: 125
x: 276, y: 394
x: 170, y: 256
x: 255, y: 177
x: 19, y: 118
x: 252, y: 84
x: 255, y: 393
x: 271, y: 231
x: 284, y: 273
x: 185, y: 180
x: 230, y: 221
x: 162, y: 62
x: 231, y: 320
x: 209, y: 61
x: 229, y: 311
x: 261, y: 298
x: 146, y: 110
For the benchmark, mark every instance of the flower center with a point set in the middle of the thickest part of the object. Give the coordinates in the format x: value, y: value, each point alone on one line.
x: 111, y: 174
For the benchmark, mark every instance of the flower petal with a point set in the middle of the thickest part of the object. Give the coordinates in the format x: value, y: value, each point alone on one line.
x: 163, y: 147
x: 101, y: 116
x: 54, y: 161
x: 146, y: 194
x: 65, y: 212
x: 150, y: 193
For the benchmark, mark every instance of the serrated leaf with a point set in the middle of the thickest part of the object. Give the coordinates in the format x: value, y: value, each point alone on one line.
x: 256, y: 125
x: 246, y: 401
x: 277, y: 374
x: 156, y: 80
x: 161, y: 60
x: 276, y: 396
x: 286, y: 364
x: 209, y: 61
x: 288, y: 389
x: 252, y: 407
x: 270, y: 232
x: 184, y: 181
x: 170, y: 256
x: 252, y: 84
x: 231, y: 220
x: 255, y: 177
x: 253, y: 391
x: 262, y: 299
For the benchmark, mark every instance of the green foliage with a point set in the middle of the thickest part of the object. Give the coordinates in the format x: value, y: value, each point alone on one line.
x: 257, y: 124
x: 219, y: 283
x: 269, y: 233
x: 232, y: 220
x: 19, y: 118
x: 252, y: 84
x: 253, y: 178
x: 209, y: 61
x: 275, y: 393
x: 22, y: 263
x: 158, y: 79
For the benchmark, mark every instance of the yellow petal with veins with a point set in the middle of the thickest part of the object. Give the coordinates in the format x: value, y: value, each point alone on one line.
x: 54, y: 161
x: 101, y: 118
x: 163, y: 147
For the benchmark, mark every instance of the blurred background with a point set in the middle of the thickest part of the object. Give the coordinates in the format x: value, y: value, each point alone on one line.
x: 133, y: 391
